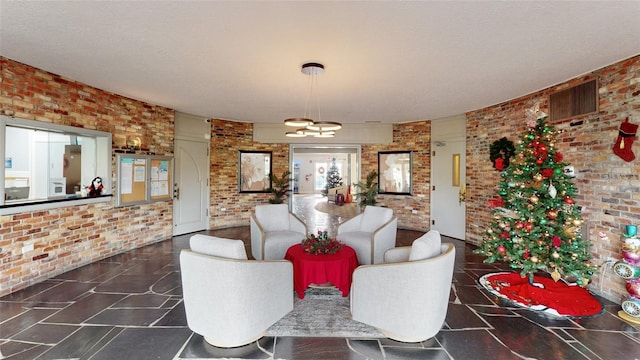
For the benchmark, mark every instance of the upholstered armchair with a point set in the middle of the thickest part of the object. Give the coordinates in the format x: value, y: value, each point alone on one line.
x: 407, y: 297
x: 273, y: 230
x: 229, y: 300
x: 370, y: 233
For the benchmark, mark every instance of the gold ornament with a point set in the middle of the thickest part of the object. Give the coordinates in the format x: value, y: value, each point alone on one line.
x: 537, y: 177
x: 555, y: 255
x: 534, y: 259
x: 555, y: 275
x: 585, y: 282
x: 534, y: 199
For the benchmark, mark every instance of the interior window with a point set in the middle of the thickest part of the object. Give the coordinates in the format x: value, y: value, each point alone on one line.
x: 44, y: 162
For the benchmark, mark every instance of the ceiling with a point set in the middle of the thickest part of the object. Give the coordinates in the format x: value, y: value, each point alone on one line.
x: 386, y: 61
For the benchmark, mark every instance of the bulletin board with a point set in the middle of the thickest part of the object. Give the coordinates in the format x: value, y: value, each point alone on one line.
x: 143, y: 178
x: 161, y: 171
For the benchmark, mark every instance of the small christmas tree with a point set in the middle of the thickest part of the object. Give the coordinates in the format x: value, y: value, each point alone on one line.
x: 535, y: 222
x: 333, y: 176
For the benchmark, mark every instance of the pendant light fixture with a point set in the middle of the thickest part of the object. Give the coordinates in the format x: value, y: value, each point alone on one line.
x: 306, y: 126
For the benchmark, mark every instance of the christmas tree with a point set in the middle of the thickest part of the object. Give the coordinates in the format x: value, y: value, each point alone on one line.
x: 333, y: 176
x: 536, y: 225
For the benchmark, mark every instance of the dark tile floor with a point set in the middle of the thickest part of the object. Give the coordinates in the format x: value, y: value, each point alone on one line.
x: 129, y: 307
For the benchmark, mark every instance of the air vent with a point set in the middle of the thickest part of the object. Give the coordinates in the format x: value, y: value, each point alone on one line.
x: 578, y: 100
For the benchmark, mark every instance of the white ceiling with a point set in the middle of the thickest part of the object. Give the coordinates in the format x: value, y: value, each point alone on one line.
x: 386, y: 61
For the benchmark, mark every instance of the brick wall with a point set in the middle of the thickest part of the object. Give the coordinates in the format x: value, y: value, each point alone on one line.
x: 229, y: 207
x: 68, y: 237
x: 415, y: 137
x: 608, y: 187
x: 229, y: 137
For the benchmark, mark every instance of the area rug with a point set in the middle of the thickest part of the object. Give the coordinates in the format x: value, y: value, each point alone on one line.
x: 347, y: 210
x: 556, y: 298
x: 322, y: 313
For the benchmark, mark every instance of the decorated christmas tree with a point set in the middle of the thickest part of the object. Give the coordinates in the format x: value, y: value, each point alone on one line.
x: 333, y: 176
x: 536, y: 225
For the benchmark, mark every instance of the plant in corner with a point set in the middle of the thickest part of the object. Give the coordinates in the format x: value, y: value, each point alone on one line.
x: 279, y: 187
x: 368, y: 190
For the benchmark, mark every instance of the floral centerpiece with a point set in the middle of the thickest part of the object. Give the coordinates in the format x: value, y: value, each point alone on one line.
x: 321, y: 244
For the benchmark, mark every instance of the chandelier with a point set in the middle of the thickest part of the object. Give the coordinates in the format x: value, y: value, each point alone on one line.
x: 306, y: 126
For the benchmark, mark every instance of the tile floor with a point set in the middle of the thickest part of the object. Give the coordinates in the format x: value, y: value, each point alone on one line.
x: 129, y: 306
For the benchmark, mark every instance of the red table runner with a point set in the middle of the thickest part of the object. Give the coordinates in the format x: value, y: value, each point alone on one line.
x: 321, y: 269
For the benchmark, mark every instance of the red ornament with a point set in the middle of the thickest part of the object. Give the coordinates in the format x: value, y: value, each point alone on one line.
x: 499, y: 164
x: 557, y: 157
x: 546, y: 173
x: 556, y: 241
x: 568, y: 200
x: 528, y: 226
x: 496, y: 202
x: 502, y: 249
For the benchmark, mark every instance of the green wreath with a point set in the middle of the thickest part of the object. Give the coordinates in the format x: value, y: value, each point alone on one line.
x: 501, y: 149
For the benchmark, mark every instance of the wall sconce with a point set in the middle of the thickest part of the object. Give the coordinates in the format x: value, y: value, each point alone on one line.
x: 133, y: 144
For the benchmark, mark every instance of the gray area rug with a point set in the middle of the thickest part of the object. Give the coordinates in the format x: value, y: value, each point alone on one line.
x: 322, y: 313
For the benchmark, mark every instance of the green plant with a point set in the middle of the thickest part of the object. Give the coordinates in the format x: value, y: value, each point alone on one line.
x: 368, y: 190
x: 279, y: 187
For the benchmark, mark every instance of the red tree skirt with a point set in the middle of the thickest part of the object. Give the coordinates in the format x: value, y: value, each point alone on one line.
x: 545, y: 294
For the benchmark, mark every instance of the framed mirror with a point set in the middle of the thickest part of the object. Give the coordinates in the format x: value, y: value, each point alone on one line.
x: 254, y: 168
x: 394, y: 172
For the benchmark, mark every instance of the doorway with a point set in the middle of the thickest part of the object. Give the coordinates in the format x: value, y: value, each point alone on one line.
x: 309, y: 166
x: 448, y: 187
x: 191, y: 187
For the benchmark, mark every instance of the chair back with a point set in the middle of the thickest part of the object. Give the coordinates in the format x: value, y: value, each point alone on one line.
x: 273, y: 217
x: 374, y: 217
x: 426, y: 246
x: 216, y: 246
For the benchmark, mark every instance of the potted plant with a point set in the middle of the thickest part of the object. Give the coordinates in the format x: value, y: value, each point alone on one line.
x: 368, y: 190
x: 279, y: 187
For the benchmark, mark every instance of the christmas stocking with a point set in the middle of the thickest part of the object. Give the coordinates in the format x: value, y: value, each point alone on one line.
x: 626, y: 136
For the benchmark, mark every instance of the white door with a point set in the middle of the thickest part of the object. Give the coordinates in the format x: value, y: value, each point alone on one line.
x: 448, y: 209
x: 191, y: 190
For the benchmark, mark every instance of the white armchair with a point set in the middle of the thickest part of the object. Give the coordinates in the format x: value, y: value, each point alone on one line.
x: 406, y: 300
x: 370, y: 233
x: 229, y: 300
x: 273, y: 230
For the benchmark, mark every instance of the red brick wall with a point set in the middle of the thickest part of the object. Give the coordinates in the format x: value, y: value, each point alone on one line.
x: 229, y: 207
x: 68, y: 237
x: 608, y: 187
x: 229, y: 137
x: 415, y: 137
